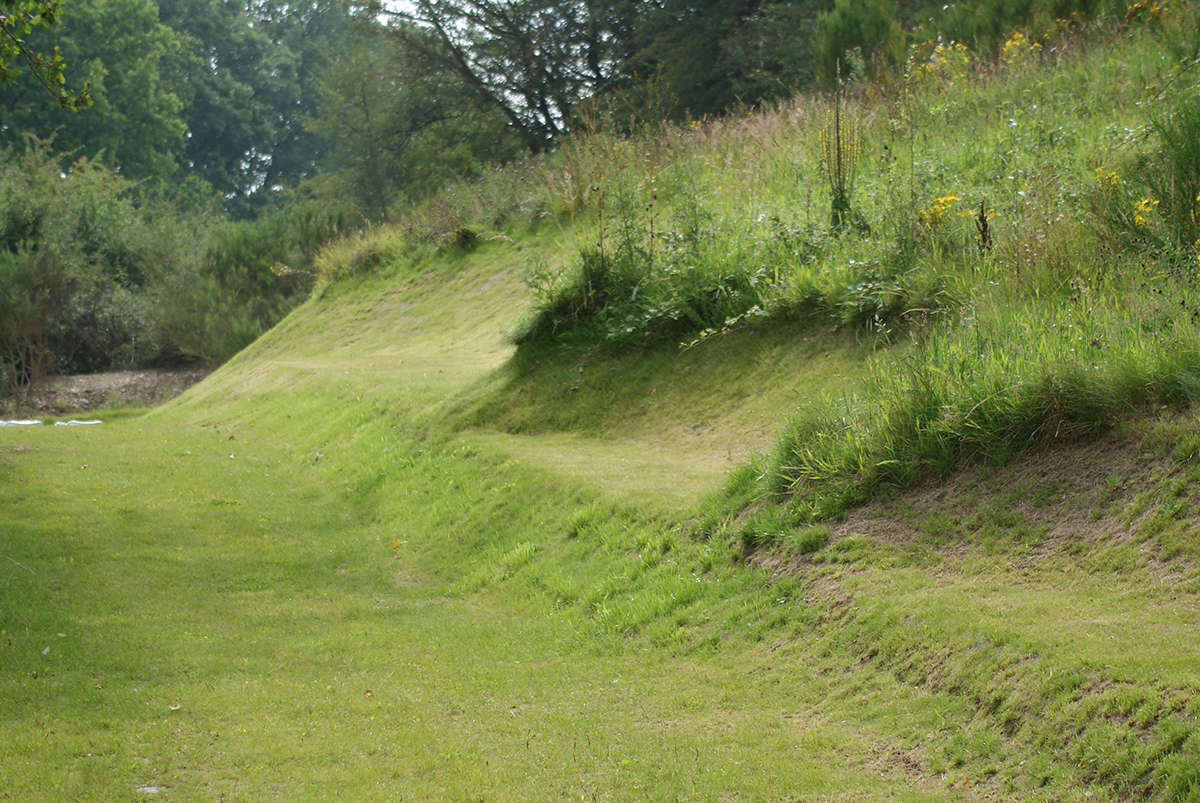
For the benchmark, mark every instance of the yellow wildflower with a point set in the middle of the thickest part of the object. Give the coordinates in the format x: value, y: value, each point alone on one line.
x: 949, y: 62
x: 1018, y: 49
x: 1142, y: 211
x: 939, y: 209
x: 1108, y: 179
x: 1144, y: 11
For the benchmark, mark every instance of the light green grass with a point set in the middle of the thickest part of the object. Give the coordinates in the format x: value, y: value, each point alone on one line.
x: 222, y: 566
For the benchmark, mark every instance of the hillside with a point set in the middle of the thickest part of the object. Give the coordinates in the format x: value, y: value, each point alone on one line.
x: 439, y: 537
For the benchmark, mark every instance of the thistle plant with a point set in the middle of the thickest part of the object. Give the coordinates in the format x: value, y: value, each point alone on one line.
x: 841, y: 144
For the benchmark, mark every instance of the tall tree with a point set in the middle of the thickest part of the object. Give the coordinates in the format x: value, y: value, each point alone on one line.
x: 534, y: 60
x: 316, y: 32
x: 247, y: 84
x: 770, y: 52
x: 680, y: 43
x: 233, y: 83
x: 403, y: 126
x: 127, y: 57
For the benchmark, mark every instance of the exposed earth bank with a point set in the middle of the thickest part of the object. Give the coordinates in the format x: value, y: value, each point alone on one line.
x: 57, y: 395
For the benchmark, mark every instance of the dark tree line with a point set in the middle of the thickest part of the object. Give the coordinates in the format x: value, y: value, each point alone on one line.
x: 247, y: 100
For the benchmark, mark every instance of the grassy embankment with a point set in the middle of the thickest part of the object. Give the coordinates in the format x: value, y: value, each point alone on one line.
x: 382, y: 556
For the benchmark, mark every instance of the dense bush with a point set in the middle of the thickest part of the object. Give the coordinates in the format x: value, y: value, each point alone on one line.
x: 91, y: 280
x: 987, y: 24
x: 857, y: 37
x: 74, y: 269
x: 1149, y: 202
x: 1171, y: 176
x: 250, y: 275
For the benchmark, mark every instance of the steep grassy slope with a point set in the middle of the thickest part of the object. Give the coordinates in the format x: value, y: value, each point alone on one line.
x: 282, y: 586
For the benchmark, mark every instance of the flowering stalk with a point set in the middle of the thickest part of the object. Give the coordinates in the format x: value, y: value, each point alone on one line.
x: 840, y: 149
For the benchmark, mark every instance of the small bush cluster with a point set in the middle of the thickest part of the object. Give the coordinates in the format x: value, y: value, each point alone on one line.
x: 1020, y: 380
x: 76, y: 262
x: 250, y: 275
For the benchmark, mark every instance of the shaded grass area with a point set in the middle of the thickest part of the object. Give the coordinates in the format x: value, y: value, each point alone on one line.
x: 736, y: 388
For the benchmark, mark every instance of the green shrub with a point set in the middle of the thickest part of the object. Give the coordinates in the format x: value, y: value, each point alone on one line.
x: 244, y: 285
x: 359, y: 253
x: 246, y: 277
x: 34, y: 298
x: 78, y: 256
x: 986, y: 25
x: 1171, y: 175
x: 863, y: 32
x: 1150, y: 203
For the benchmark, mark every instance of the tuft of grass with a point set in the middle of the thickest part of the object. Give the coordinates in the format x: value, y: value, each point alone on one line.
x: 362, y: 252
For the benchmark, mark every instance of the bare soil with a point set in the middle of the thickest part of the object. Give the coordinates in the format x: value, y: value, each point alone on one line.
x: 59, y: 395
x: 1075, y: 492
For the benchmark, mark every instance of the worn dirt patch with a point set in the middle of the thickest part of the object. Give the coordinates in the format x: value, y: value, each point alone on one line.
x: 1073, y: 492
x: 71, y: 394
x: 1062, y: 488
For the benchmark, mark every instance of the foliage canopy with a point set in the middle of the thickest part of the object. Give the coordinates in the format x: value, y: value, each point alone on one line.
x: 18, y: 18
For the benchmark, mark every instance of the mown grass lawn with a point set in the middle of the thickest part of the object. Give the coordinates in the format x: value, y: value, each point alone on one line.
x: 276, y: 588
x: 292, y: 584
x: 216, y: 617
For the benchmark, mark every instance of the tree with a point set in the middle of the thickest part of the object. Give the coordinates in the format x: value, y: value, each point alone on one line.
x: 361, y: 104
x: 770, y: 52
x: 247, y: 83
x: 236, y: 85
x: 681, y: 44
x: 868, y: 31
x: 128, y: 58
x: 315, y: 32
x: 32, y: 287
x: 403, y: 127
x: 74, y: 261
x: 18, y: 18
x: 534, y: 60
